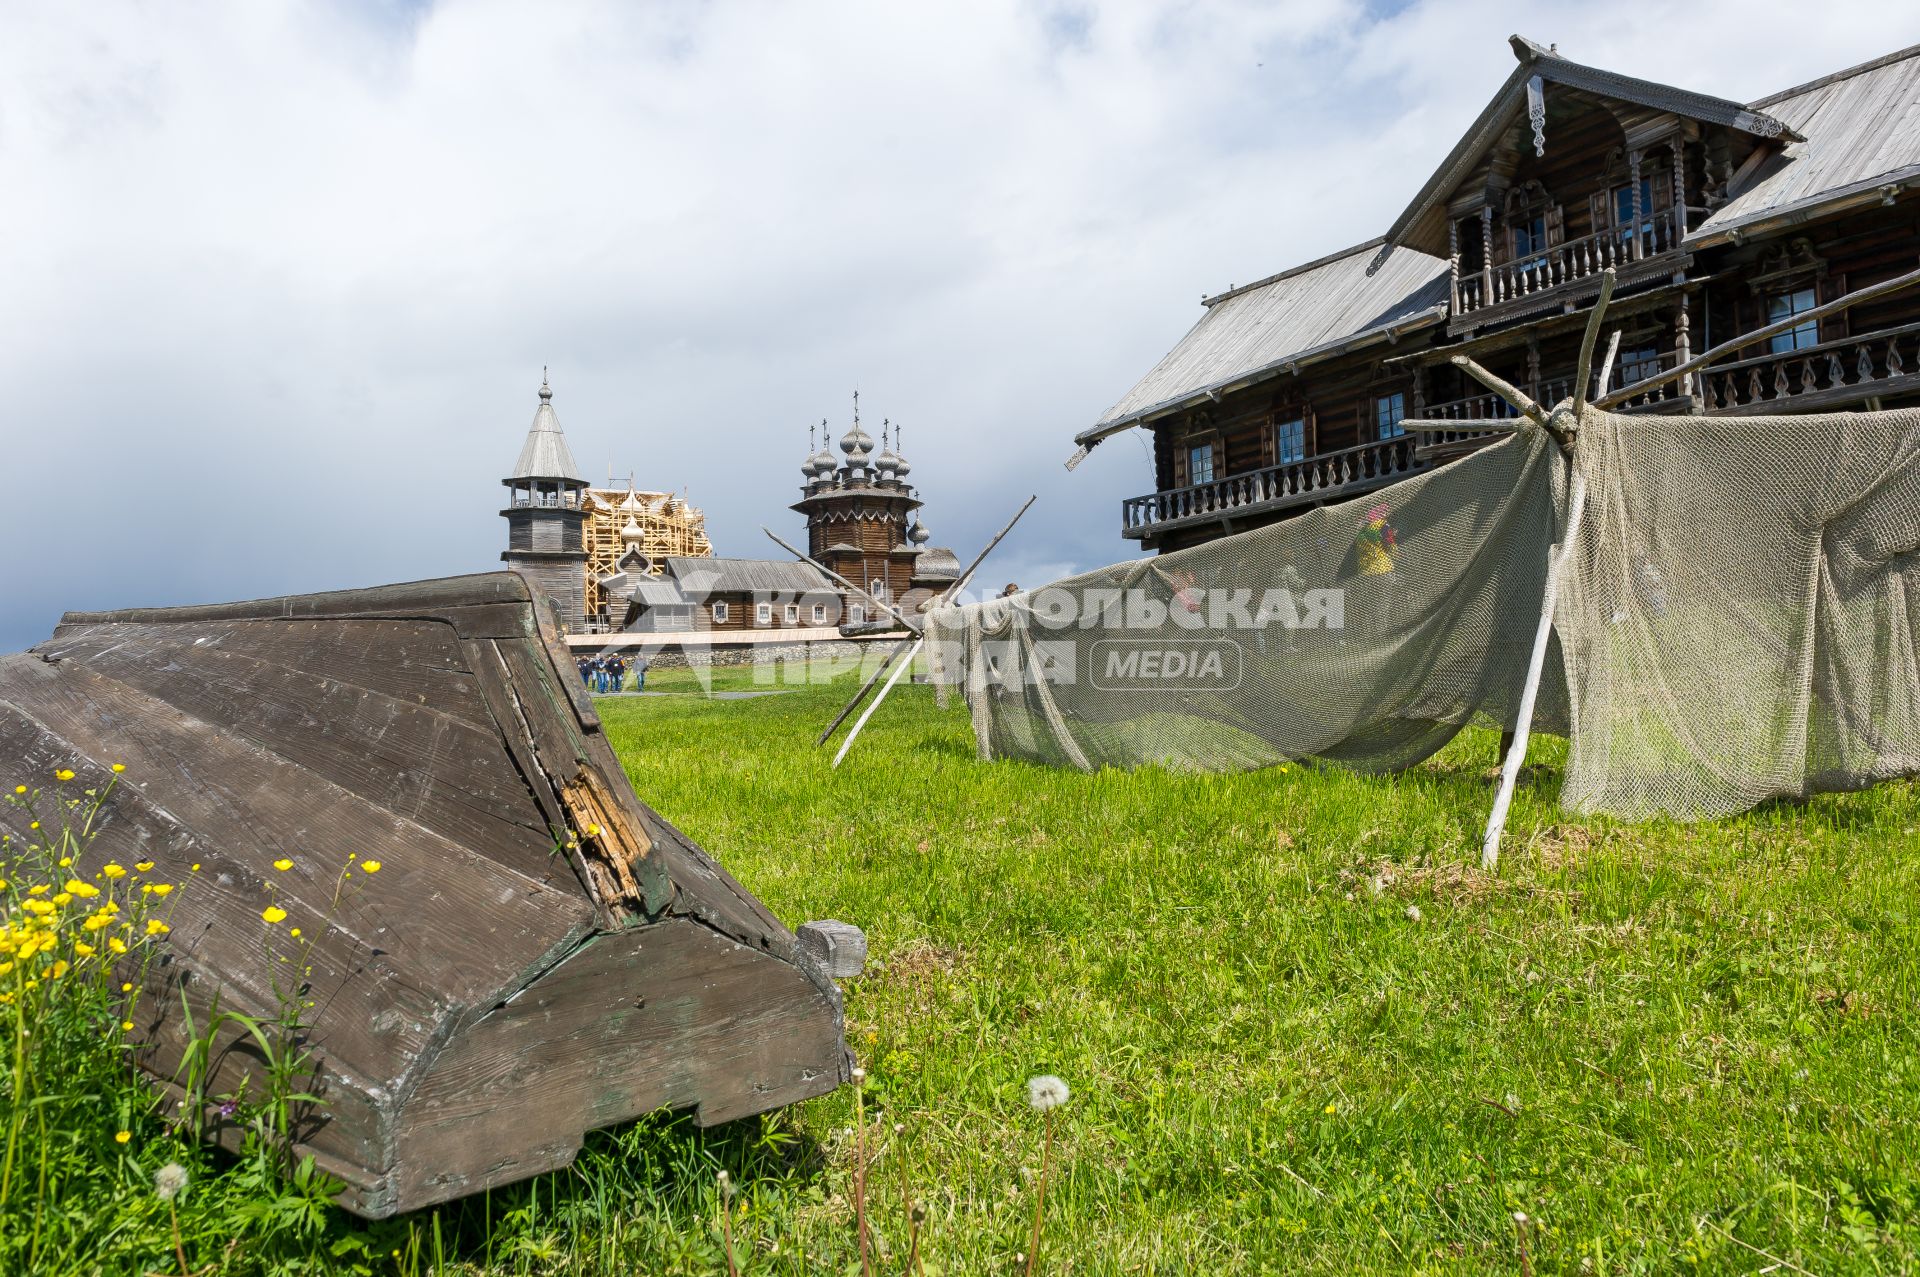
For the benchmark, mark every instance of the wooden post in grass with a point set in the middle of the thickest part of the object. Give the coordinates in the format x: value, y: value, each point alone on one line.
x: 1516, y: 747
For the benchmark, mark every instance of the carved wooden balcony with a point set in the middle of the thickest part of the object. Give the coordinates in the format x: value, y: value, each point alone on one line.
x: 1272, y: 488
x: 1832, y: 374
x: 1520, y: 286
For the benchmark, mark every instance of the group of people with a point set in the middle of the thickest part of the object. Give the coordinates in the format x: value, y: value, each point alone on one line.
x: 609, y: 673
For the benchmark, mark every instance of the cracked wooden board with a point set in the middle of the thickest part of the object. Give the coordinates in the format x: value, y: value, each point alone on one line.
x: 540, y: 954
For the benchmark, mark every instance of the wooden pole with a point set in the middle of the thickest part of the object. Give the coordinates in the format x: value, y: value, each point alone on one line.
x: 861, y: 695
x: 1680, y: 370
x: 861, y: 722
x: 959, y: 583
x: 1536, y: 661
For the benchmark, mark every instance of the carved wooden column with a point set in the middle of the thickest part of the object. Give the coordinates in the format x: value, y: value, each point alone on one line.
x: 1419, y: 390
x: 1486, y: 255
x: 1453, y: 261
x: 1679, y: 190
x: 1633, y: 189
x: 1533, y: 367
x: 1683, y: 343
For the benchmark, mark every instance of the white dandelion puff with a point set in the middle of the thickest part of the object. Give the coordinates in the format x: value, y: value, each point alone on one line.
x: 1413, y: 913
x: 1047, y: 1092
x: 169, y: 1180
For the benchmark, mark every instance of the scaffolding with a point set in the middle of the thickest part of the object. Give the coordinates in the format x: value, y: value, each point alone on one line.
x: 667, y: 525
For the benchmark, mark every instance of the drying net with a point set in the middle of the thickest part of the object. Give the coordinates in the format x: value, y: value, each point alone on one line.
x: 1736, y: 620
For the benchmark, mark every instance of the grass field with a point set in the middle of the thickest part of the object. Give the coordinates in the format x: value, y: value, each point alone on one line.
x: 1303, y: 1033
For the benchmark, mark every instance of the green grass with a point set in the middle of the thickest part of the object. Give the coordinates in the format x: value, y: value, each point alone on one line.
x: 1673, y: 1048
x: 1652, y: 1039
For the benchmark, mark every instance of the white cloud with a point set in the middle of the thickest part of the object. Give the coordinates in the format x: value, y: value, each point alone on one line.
x: 280, y: 279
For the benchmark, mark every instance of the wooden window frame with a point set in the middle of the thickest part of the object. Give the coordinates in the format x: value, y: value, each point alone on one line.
x: 718, y: 611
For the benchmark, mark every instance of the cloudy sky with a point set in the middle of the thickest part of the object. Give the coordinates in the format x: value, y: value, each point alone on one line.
x: 277, y: 280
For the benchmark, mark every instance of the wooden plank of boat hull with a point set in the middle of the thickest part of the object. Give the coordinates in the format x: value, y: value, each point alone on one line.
x: 416, y: 661
x: 459, y: 923
x: 439, y: 771
x: 670, y: 1015
x: 366, y: 1056
x: 426, y: 599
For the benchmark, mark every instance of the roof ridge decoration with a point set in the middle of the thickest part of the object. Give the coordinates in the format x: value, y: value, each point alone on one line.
x: 1543, y: 65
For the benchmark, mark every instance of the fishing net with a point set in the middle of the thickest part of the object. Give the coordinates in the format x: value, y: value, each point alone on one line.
x: 1736, y: 620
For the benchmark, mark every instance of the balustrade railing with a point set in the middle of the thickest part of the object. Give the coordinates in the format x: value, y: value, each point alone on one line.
x: 1565, y: 262
x: 1832, y: 365
x: 1290, y: 483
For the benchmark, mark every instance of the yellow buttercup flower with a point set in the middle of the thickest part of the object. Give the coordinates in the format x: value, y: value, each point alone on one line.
x: 38, y: 889
x: 58, y: 969
x: 123, y: 1136
x: 371, y: 866
x: 274, y: 913
x: 84, y: 890
x: 126, y: 988
x: 295, y: 933
x: 65, y: 861
x: 116, y: 945
x: 118, y: 768
x: 283, y: 864
x: 63, y: 899
x: 143, y: 865
x: 64, y: 774
x: 155, y: 927
x: 33, y: 825
x: 126, y: 1026
x: 196, y: 868
x: 113, y: 871
x: 161, y: 888
x: 19, y: 789
x: 82, y: 948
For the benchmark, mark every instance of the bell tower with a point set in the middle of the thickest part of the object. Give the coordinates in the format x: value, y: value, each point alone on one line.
x: 546, y: 515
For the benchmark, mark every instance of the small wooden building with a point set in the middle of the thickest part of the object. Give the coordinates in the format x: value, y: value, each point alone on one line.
x: 540, y: 953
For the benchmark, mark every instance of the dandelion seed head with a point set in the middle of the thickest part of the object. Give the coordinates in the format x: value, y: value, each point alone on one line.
x: 859, y: 1075
x: 1519, y: 1217
x: 1047, y: 1092
x: 1413, y: 913
x: 169, y: 1180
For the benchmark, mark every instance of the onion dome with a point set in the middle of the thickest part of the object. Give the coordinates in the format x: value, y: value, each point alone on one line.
x: 888, y: 462
x: 900, y: 467
x: 632, y: 532
x: 857, y: 444
x: 918, y: 533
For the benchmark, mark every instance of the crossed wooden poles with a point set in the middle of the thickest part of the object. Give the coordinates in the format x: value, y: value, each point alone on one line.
x: 909, y: 646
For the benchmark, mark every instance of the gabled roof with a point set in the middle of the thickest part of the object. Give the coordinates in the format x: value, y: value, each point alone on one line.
x: 1272, y: 326
x: 1423, y: 224
x: 545, y: 455
x: 697, y: 576
x: 1861, y: 131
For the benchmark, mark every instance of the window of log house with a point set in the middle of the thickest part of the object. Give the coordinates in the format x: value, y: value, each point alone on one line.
x: 793, y: 614
x: 1785, y: 305
x: 763, y: 614
x: 1290, y: 440
x: 1390, y: 415
x: 719, y: 613
x: 1200, y: 463
x: 819, y: 613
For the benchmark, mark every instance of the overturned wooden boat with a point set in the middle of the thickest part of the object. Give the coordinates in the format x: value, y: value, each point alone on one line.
x: 538, y: 953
